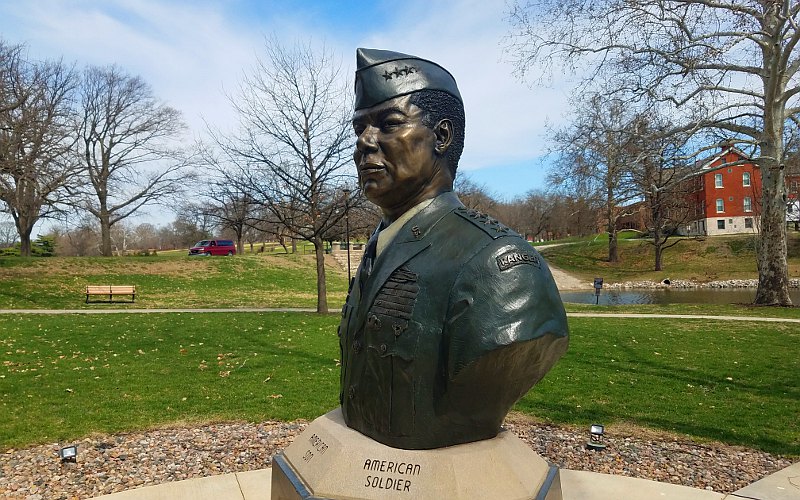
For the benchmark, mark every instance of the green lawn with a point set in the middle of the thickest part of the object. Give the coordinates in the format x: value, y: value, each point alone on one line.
x: 169, y: 281
x: 721, y: 257
x: 694, y: 309
x: 63, y: 377
x: 69, y: 375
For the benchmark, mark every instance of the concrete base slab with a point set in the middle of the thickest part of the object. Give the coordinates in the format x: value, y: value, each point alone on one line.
x: 255, y: 484
x: 331, y: 461
x: 583, y: 485
x: 782, y: 485
x: 252, y: 485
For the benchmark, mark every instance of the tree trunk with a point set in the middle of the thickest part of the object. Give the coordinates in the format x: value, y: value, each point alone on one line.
x: 294, y: 245
x: 105, y: 235
x: 24, y: 229
x: 658, y: 251
x: 322, y: 291
x: 773, y: 269
x: 613, y: 254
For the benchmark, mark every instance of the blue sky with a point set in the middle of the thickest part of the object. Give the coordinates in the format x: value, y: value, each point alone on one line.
x: 192, y: 52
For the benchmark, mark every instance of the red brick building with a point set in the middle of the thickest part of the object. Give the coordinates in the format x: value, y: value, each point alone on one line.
x: 724, y: 200
x: 727, y: 200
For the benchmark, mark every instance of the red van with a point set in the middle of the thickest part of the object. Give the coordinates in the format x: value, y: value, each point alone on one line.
x: 213, y: 247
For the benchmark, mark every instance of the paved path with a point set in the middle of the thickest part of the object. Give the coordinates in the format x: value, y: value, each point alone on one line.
x: 682, y: 316
x: 138, y: 311
x: 291, y: 309
x: 565, y: 281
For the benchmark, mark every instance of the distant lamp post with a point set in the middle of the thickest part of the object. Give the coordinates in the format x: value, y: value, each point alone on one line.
x: 596, y: 432
x: 68, y: 453
x: 347, y: 232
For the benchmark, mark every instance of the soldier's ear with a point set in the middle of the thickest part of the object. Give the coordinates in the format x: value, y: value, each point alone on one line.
x: 444, y: 135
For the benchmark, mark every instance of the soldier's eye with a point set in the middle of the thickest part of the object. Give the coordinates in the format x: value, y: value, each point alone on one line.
x: 391, y: 124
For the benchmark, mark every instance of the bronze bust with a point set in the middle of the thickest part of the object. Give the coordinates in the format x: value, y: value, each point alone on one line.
x: 452, y: 316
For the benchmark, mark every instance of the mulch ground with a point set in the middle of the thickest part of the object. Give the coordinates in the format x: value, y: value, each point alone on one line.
x: 112, y: 463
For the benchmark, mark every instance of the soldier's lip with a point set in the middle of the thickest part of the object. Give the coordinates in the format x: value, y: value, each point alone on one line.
x: 369, y: 168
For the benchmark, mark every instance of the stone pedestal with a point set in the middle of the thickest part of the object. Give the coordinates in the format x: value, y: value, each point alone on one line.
x: 331, y: 461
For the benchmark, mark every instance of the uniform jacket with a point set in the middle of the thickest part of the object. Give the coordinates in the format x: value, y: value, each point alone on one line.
x: 458, y: 318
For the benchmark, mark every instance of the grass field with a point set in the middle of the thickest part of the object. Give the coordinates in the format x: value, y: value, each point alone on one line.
x: 66, y: 376
x: 721, y: 257
x: 695, y: 309
x: 169, y: 281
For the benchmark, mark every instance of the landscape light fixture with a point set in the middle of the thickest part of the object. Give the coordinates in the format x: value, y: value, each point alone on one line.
x: 596, y: 437
x: 69, y: 453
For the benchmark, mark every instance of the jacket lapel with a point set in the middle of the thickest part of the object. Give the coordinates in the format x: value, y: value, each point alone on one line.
x: 410, y: 241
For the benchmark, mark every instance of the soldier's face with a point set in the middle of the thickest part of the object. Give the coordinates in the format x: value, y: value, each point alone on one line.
x: 394, y: 154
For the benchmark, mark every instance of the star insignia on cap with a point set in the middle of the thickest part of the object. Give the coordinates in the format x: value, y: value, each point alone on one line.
x: 387, y: 75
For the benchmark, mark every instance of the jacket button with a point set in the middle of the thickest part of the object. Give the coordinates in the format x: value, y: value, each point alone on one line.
x: 351, y: 392
x: 356, y: 346
x: 374, y: 322
x: 383, y: 348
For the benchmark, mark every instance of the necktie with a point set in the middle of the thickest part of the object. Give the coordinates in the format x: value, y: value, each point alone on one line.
x: 369, y: 253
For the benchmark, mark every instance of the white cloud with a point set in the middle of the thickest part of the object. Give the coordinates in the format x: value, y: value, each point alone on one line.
x: 505, y: 118
x: 189, y: 51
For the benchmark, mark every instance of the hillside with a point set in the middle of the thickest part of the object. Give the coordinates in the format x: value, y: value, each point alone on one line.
x: 701, y: 260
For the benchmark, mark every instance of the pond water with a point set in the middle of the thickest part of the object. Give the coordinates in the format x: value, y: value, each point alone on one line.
x: 670, y: 296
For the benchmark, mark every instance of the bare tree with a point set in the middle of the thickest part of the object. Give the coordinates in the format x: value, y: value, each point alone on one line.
x: 596, y: 159
x: 36, y: 167
x: 11, y: 63
x: 128, y: 146
x: 722, y: 65
x: 183, y: 232
x: 228, y: 198
x: 8, y: 233
x: 146, y: 236
x: 79, y: 237
x: 539, y: 208
x: 295, y: 142
x: 658, y: 178
x: 194, y: 214
x: 473, y: 194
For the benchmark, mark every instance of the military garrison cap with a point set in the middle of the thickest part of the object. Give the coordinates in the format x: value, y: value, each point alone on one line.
x: 382, y: 75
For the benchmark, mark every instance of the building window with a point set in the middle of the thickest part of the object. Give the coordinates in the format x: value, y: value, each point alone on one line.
x: 748, y: 204
x: 720, y: 223
x: 720, y: 205
x: 748, y: 223
x: 746, y: 179
x: 718, y: 180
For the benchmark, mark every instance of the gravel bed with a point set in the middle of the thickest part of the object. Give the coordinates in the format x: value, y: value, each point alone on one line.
x: 111, y: 463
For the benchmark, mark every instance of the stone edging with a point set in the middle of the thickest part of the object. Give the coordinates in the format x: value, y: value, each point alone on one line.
x: 687, y: 284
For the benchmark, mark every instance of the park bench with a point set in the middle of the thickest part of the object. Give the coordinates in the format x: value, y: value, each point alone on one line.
x: 110, y: 291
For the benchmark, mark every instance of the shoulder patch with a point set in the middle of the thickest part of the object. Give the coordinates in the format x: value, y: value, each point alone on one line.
x: 490, y: 226
x: 516, y: 257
